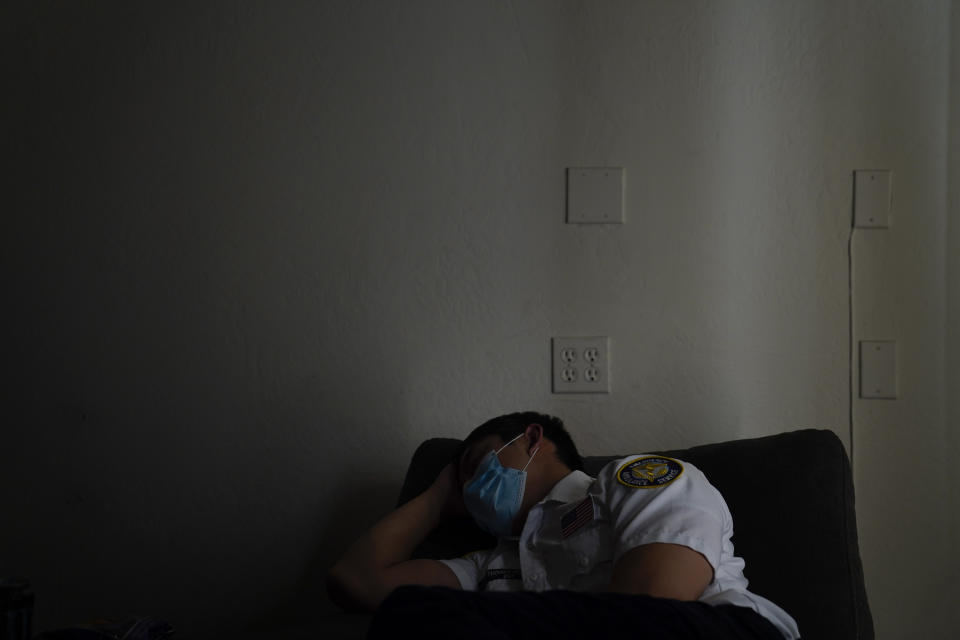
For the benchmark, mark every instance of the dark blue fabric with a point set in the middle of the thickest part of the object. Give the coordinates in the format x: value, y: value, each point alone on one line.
x: 437, y: 612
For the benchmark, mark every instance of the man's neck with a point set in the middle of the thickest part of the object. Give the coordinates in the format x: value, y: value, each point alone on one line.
x: 554, y: 479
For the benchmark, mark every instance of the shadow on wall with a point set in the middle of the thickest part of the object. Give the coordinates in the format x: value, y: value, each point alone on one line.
x: 348, y: 517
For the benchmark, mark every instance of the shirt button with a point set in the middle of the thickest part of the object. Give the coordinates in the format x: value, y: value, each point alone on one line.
x: 582, y: 560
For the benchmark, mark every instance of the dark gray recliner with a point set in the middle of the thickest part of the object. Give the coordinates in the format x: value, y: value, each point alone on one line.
x: 791, y: 497
x: 792, y: 501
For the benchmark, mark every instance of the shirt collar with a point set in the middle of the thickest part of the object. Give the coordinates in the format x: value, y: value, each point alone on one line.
x: 571, y: 488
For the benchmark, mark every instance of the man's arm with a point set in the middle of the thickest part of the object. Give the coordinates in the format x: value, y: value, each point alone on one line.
x: 379, y: 561
x: 663, y: 571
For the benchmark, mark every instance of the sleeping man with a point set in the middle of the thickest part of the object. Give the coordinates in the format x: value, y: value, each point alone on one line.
x: 644, y: 548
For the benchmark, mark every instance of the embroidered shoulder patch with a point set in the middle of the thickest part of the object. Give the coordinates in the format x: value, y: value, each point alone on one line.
x: 576, y: 517
x: 649, y: 472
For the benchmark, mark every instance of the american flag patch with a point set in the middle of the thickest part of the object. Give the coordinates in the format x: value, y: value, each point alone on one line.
x: 576, y: 517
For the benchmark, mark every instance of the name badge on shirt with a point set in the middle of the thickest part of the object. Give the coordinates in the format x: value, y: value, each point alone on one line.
x: 494, y: 575
x: 575, y: 518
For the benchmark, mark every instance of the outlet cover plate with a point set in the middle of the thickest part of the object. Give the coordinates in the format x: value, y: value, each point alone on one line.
x: 878, y: 369
x: 581, y: 365
x: 871, y: 199
x: 595, y: 195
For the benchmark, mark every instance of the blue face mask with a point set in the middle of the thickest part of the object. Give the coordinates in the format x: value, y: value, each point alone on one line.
x: 494, y: 494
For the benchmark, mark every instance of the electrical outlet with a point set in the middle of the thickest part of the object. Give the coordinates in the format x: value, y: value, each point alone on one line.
x: 581, y: 365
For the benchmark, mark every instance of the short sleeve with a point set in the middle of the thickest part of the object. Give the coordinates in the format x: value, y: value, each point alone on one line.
x: 652, y: 499
x: 467, y: 569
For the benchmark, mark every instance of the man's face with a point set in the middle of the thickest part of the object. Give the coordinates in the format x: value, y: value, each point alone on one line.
x: 512, y: 456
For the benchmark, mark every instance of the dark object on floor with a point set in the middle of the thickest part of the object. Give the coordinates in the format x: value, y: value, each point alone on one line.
x: 16, y: 609
x: 125, y: 629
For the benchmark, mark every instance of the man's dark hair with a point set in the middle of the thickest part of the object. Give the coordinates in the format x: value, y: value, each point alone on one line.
x: 511, y: 425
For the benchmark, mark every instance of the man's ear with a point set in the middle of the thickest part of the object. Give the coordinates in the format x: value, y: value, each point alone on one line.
x: 534, y: 433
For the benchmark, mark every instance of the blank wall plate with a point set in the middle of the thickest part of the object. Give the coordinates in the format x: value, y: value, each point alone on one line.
x: 878, y: 369
x: 871, y: 199
x: 595, y: 195
x: 581, y: 365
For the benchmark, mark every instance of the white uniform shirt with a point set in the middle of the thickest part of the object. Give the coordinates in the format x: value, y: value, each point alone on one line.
x: 574, y: 536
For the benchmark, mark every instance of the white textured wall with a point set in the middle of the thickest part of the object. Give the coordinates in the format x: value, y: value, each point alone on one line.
x: 257, y: 252
x: 901, y: 448
x: 952, y: 426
